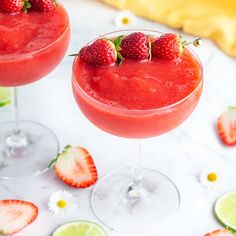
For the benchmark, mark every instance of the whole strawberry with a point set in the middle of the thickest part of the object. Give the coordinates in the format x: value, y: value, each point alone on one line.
x: 168, y: 46
x: 102, y: 52
x: 43, y: 5
x: 14, y: 6
x: 135, y: 46
x: 171, y: 46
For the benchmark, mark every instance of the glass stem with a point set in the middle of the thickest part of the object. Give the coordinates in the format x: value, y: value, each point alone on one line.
x: 135, y: 188
x: 14, y: 109
x: 137, y: 172
x: 16, y: 140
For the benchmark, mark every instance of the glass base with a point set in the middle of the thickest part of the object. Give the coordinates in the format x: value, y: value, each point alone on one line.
x: 145, y: 208
x: 27, y: 153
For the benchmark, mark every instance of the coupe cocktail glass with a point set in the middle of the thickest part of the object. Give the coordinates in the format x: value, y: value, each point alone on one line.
x: 135, y: 200
x: 27, y: 147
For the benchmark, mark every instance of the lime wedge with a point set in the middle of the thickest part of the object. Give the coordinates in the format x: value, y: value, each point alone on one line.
x: 225, y: 210
x: 4, y: 96
x: 80, y: 228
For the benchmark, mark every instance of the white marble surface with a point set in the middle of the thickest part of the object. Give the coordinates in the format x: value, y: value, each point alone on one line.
x: 180, y: 154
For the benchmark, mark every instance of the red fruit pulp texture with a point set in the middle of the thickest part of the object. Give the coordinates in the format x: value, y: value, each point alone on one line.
x: 31, y: 45
x: 129, y: 100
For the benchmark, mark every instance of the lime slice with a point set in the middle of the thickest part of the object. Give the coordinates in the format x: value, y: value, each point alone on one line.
x: 4, y: 96
x: 225, y: 210
x: 80, y: 228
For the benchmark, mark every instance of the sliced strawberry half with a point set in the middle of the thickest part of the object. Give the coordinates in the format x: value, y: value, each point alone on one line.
x: 220, y: 232
x: 226, y: 126
x: 75, y: 167
x: 15, y: 215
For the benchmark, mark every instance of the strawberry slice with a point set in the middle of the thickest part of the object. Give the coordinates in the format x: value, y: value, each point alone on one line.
x: 220, y: 232
x: 75, y: 167
x: 15, y: 215
x: 226, y: 126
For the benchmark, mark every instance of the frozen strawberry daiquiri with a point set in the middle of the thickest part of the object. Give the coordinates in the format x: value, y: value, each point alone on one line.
x: 34, y: 36
x: 137, y: 85
x: 31, y: 44
x: 138, y: 99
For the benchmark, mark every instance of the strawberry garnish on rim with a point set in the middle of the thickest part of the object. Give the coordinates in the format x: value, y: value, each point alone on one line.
x: 75, y: 167
x: 135, y: 46
x: 101, y: 52
x: 14, y: 6
x: 15, y: 215
x: 171, y: 46
x: 220, y: 232
x: 226, y: 126
x: 43, y: 5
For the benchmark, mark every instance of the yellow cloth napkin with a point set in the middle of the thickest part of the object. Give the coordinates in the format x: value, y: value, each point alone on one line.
x: 214, y: 19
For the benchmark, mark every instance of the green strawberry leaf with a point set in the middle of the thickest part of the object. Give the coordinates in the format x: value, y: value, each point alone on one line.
x: 54, y: 161
x: 117, y: 42
x: 66, y: 147
x: 119, y: 58
x: 57, y: 157
x: 27, y: 5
